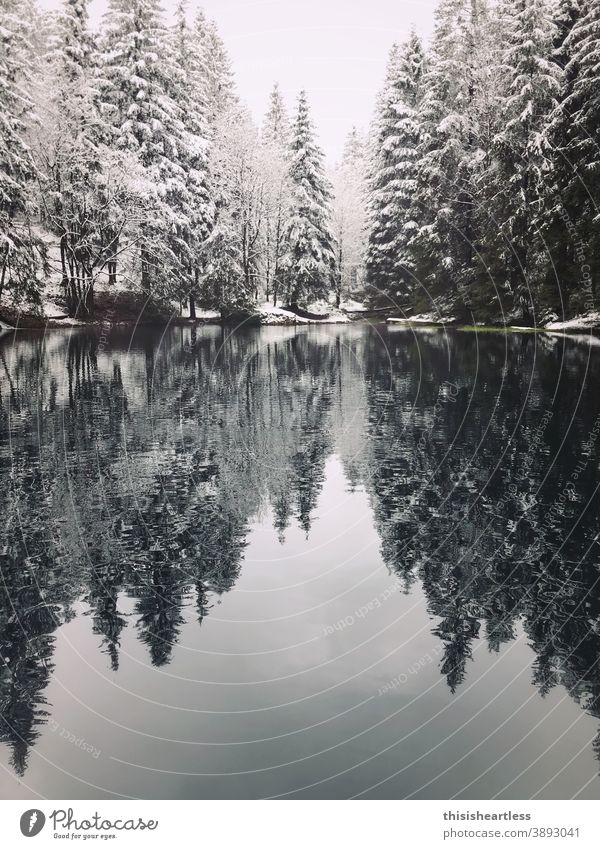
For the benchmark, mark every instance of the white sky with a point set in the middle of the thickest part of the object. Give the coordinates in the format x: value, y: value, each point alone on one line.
x: 335, y: 49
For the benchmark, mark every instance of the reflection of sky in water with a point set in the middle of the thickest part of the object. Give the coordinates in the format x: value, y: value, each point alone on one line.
x: 330, y: 562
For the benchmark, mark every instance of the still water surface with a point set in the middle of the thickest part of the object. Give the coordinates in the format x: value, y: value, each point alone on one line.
x: 314, y: 562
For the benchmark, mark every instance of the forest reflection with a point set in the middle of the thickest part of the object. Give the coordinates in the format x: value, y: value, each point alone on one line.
x: 135, y: 469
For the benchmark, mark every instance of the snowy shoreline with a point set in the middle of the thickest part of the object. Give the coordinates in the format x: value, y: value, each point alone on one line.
x: 318, y: 313
x: 576, y: 332
x: 580, y: 324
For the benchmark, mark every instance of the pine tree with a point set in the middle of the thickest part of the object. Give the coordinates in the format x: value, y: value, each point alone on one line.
x: 531, y: 90
x: 276, y: 127
x: 229, y: 269
x: 350, y: 215
x: 72, y: 154
x: 562, y: 203
x: 567, y: 14
x: 188, y: 91
x: 138, y: 76
x: 22, y: 259
x: 218, y: 82
x: 233, y: 259
x: 392, y: 180
x: 309, y: 262
x: 76, y: 41
x: 576, y: 136
x: 275, y: 144
x: 444, y: 245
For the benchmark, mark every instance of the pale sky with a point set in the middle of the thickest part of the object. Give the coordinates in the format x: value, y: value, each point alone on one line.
x: 335, y: 49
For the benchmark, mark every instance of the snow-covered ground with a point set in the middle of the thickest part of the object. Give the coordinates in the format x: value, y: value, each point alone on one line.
x: 422, y: 318
x: 201, y: 315
x: 589, y: 321
x: 580, y: 322
x: 269, y: 314
x: 353, y: 306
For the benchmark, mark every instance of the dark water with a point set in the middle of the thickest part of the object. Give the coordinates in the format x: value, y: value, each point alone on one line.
x: 328, y: 562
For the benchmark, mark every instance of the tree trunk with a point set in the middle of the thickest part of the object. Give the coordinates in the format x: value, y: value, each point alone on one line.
x: 67, y: 282
x: 145, y: 258
x: 4, y: 267
x: 89, y: 298
x: 338, y: 292
x: 112, y: 262
x: 519, y: 279
x: 192, y: 307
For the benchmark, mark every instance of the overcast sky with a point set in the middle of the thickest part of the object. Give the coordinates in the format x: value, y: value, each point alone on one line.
x: 336, y: 49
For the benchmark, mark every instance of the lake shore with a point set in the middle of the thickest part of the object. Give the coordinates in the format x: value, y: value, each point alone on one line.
x: 130, y: 310
x: 137, y: 313
x: 588, y: 324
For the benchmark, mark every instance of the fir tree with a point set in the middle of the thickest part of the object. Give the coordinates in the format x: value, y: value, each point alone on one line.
x: 562, y: 202
x: 275, y: 129
x: 72, y: 153
x: 233, y: 259
x: 577, y: 138
x: 138, y: 78
x: 567, y: 14
x: 218, y: 82
x: 275, y: 142
x: 309, y: 262
x: 75, y: 43
x: 188, y: 91
x: 531, y: 90
x: 449, y: 147
x: 350, y: 215
x: 22, y: 258
x: 229, y: 267
x: 396, y: 136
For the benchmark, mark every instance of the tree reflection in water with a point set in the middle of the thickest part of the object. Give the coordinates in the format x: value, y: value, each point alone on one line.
x: 134, y: 472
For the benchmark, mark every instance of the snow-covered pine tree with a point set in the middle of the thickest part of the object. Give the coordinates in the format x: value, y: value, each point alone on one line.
x: 309, y: 263
x: 188, y: 91
x: 22, y: 259
x: 567, y: 13
x: 276, y: 126
x: 76, y: 43
x: 577, y: 140
x: 444, y: 245
x: 138, y: 77
x: 218, y: 81
x: 71, y: 153
x: 231, y: 276
x: 392, y: 175
x: 562, y: 202
x: 530, y: 94
x: 230, y: 268
x: 349, y: 216
x: 275, y: 144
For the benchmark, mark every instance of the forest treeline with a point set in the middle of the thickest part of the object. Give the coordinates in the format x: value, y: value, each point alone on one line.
x: 483, y: 183
x: 128, y: 161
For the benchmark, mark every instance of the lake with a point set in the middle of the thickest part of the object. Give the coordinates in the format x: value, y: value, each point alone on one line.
x: 319, y: 562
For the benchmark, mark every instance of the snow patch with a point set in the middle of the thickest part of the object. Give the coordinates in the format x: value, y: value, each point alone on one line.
x: 269, y: 314
x: 422, y: 318
x: 589, y: 320
x: 353, y: 306
x: 201, y: 315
